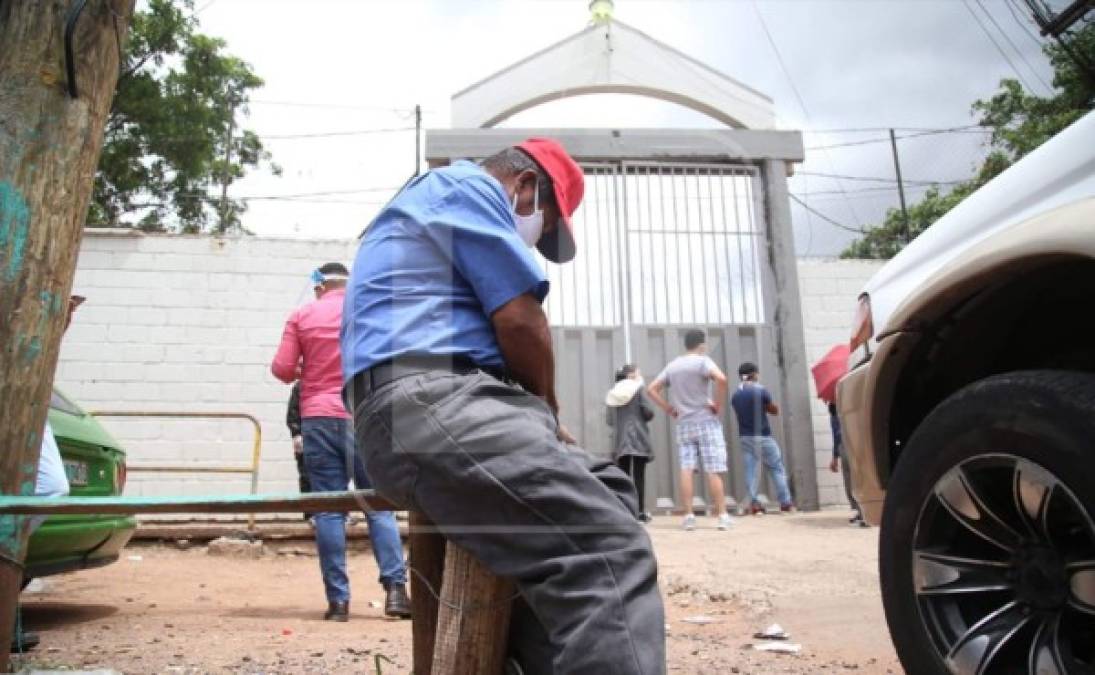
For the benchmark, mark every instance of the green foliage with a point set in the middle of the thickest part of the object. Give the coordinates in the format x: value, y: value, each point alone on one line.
x: 1020, y: 122
x: 168, y: 129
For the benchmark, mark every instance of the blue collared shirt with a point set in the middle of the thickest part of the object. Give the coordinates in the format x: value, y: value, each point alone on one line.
x: 432, y: 268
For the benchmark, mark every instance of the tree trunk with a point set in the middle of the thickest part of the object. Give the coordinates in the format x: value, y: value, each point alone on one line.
x: 427, y: 575
x: 49, y: 149
x: 472, y: 619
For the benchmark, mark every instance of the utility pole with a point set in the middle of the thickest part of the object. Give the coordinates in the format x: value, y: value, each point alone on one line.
x: 417, y: 140
x: 59, y: 65
x: 225, y: 174
x: 900, y: 186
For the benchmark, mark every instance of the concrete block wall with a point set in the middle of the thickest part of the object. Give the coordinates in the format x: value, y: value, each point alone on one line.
x: 189, y: 324
x: 192, y: 323
x: 829, y: 288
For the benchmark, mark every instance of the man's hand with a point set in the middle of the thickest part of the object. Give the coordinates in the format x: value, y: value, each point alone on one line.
x: 525, y: 340
x: 565, y: 435
x: 654, y: 391
x: 298, y: 445
x: 715, y: 409
x: 834, y: 465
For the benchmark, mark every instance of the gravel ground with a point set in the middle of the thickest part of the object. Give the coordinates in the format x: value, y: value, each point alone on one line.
x: 164, y: 610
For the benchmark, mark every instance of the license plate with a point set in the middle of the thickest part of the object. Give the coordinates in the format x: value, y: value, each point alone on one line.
x: 76, y: 472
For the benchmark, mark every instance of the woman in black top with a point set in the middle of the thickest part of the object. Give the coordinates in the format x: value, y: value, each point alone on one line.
x: 629, y: 414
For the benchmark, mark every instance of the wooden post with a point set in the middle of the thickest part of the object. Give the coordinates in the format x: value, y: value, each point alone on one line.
x: 49, y: 150
x: 473, y: 620
x: 427, y: 571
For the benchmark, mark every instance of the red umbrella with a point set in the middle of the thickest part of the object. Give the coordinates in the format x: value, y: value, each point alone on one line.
x: 828, y: 371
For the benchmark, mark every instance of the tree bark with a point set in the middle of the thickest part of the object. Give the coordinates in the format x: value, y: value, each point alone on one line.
x: 473, y: 617
x: 49, y: 150
x: 427, y: 575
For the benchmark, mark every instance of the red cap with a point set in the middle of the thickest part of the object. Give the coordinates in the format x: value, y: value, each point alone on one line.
x: 569, y: 184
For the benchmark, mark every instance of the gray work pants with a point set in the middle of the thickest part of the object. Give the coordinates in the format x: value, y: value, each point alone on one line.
x: 480, y: 458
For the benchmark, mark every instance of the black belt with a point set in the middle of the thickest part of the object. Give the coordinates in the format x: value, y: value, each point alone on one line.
x: 368, y: 381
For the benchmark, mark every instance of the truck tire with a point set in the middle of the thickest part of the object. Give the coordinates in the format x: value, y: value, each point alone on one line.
x: 987, y: 547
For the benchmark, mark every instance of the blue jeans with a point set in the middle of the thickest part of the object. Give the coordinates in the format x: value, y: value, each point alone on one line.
x: 764, y: 448
x: 331, y: 460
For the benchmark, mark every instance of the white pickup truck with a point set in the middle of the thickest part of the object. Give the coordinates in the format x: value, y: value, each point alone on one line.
x: 969, y: 420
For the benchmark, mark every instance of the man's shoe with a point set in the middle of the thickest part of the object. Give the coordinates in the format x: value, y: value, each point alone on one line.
x: 756, y: 509
x: 338, y: 611
x: 725, y: 521
x: 789, y: 507
x: 24, y: 642
x: 689, y: 522
x: 397, y: 603
x: 645, y: 517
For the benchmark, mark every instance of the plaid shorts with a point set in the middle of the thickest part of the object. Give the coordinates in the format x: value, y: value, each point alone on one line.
x: 705, y: 439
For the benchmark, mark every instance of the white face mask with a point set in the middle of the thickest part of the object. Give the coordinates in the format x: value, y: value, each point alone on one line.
x: 530, y: 227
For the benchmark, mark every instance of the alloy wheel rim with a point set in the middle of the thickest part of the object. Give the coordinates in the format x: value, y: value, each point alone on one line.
x: 1003, y: 567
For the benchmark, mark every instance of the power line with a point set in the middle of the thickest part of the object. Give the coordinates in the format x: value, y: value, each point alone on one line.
x: 344, y: 106
x: 865, y: 130
x: 327, y: 193
x: 304, y: 135
x: 794, y: 88
x: 1010, y: 4
x: 969, y: 129
x: 877, y: 179
x: 988, y: 34
x: 1013, y: 46
x: 333, y: 134
x: 866, y: 191
x: 824, y: 217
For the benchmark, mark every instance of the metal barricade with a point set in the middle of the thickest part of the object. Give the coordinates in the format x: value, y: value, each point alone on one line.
x: 256, y: 450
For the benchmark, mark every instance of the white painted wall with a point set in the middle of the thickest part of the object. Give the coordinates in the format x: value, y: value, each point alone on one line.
x: 191, y: 324
x: 829, y: 288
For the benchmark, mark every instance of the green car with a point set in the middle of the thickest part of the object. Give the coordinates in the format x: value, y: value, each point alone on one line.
x: 95, y: 466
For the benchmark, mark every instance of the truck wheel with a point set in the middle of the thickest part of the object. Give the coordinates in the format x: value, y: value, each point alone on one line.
x: 987, y: 549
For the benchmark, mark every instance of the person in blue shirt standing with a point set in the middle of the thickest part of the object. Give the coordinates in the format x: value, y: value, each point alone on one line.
x: 752, y: 404
x: 449, y: 372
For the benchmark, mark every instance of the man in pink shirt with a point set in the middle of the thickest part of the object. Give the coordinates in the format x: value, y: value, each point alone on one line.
x: 309, y: 351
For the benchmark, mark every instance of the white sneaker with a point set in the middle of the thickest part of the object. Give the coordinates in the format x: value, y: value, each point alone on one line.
x: 690, y: 522
x: 725, y: 521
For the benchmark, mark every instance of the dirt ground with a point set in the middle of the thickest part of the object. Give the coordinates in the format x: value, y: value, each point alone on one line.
x: 164, y: 610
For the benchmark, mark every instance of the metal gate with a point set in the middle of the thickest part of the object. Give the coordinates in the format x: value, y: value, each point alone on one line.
x: 663, y: 247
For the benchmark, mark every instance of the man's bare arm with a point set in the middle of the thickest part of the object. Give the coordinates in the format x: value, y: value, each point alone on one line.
x: 655, y: 392
x: 722, y: 390
x: 525, y: 340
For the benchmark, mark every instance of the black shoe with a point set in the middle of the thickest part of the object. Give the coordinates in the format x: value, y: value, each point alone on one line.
x: 24, y: 642
x: 397, y: 603
x: 338, y: 611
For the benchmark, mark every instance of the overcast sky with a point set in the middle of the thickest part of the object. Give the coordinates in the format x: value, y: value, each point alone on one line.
x: 334, y: 66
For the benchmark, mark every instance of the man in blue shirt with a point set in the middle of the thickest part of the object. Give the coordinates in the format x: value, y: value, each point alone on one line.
x: 450, y: 373
x: 752, y: 404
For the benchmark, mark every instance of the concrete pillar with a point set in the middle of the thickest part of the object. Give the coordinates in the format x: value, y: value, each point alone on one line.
x: 798, y: 431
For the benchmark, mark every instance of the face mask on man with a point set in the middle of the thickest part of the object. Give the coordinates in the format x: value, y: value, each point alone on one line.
x: 530, y: 227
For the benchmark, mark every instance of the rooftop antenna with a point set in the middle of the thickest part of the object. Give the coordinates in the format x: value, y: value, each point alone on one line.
x: 602, y: 11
